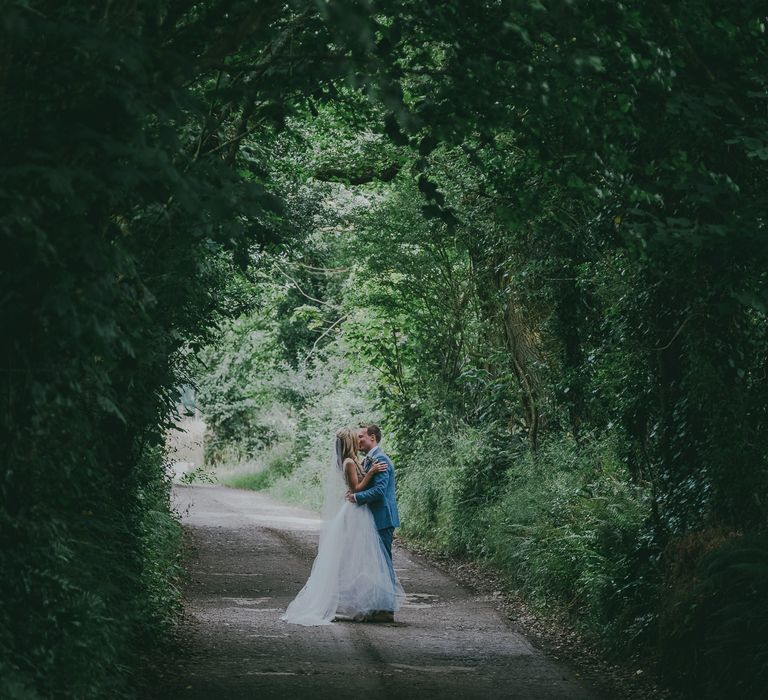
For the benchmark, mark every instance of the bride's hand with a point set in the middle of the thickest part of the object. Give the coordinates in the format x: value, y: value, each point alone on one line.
x: 379, y: 466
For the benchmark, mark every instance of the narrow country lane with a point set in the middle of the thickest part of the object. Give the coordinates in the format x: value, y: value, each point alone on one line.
x: 251, y: 555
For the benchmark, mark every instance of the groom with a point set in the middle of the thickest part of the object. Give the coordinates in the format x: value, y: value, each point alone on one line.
x: 380, y: 498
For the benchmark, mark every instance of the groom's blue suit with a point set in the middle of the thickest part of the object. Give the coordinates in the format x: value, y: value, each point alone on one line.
x: 381, y: 499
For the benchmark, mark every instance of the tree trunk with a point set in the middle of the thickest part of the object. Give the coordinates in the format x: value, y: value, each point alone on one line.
x: 524, y: 356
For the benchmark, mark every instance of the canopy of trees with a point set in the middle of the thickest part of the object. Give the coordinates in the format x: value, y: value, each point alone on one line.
x: 529, y: 237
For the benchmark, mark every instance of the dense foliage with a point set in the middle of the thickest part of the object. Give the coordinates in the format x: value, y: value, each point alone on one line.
x: 529, y: 237
x: 121, y: 189
x: 542, y: 259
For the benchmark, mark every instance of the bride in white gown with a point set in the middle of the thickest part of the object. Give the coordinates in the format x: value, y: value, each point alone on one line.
x: 350, y: 576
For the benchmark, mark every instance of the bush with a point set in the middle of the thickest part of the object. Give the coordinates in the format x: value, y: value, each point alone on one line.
x: 86, y: 619
x: 443, y: 478
x: 715, y: 613
x: 564, y: 523
x: 160, y: 543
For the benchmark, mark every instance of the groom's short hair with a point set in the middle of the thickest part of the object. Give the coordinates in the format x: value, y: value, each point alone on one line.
x: 372, y: 429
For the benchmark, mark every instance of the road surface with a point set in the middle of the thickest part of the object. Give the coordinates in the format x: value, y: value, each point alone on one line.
x: 251, y: 555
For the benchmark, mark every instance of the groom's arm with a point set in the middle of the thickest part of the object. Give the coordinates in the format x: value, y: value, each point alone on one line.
x: 376, y: 492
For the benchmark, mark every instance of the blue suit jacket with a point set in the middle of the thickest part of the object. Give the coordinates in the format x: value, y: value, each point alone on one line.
x: 380, y: 496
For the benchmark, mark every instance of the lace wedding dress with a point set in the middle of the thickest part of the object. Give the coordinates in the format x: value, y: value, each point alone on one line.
x: 351, y: 573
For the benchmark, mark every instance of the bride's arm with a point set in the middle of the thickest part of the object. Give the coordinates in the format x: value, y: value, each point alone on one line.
x: 375, y: 469
x: 356, y: 485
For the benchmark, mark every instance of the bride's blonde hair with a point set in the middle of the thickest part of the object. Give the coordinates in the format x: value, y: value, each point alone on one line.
x: 348, y: 443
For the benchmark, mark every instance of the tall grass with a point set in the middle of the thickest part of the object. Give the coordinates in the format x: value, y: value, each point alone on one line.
x: 263, y: 471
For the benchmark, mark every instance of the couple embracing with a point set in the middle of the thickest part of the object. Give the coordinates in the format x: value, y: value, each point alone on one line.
x: 352, y: 576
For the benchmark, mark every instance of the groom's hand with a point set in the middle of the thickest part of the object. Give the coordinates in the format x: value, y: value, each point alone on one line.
x: 351, y: 497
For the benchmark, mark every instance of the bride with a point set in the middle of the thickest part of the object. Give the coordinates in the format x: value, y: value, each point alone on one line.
x: 350, y: 576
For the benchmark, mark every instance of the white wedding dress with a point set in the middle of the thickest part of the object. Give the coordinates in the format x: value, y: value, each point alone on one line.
x: 351, y: 574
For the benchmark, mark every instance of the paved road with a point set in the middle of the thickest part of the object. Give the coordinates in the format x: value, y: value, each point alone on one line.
x: 251, y: 556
